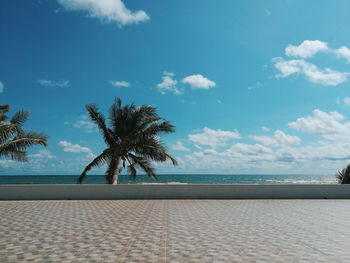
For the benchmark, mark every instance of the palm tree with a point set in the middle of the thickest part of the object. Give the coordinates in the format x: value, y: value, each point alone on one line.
x: 343, y: 176
x: 13, y: 139
x: 132, y: 138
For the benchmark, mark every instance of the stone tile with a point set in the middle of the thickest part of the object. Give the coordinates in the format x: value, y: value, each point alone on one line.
x: 175, y: 231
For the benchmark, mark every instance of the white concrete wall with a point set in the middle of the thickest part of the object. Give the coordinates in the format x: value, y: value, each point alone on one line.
x: 190, y: 191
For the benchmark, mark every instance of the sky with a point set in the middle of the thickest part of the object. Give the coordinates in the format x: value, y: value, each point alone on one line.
x: 253, y: 87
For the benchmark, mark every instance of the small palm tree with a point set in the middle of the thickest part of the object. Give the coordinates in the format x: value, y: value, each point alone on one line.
x: 343, y: 176
x: 13, y: 139
x: 132, y: 138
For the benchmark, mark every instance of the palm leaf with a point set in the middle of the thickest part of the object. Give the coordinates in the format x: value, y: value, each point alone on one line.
x: 3, y: 110
x: 103, y: 158
x: 343, y: 176
x: 99, y: 119
x: 145, y: 165
x: 20, y: 117
x: 7, y: 130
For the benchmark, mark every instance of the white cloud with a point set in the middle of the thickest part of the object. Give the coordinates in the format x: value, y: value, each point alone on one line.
x: 106, y: 10
x: 265, y: 129
x: 323, y: 156
x: 53, y: 83
x: 325, y: 77
x: 327, y: 125
x: 277, y: 140
x: 2, y: 87
x: 42, y: 154
x: 179, y: 147
x: 74, y: 148
x: 257, y: 85
x: 213, y: 138
x: 198, y: 81
x: 119, y: 83
x: 8, y: 164
x: 168, y: 84
x: 306, y: 49
x: 83, y: 123
x: 343, y: 52
x: 346, y: 101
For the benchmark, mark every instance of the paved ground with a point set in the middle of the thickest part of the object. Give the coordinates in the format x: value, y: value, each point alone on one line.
x: 175, y: 231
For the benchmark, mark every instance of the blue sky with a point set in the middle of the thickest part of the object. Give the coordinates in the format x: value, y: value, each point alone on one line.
x: 251, y: 86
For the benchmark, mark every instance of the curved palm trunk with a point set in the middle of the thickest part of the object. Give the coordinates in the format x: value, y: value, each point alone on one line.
x: 113, y: 171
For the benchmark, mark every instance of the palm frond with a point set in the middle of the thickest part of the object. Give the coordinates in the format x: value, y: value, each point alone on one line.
x: 20, y: 117
x: 343, y: 176
x: 103, y: 158
x: 3, y: 110
x: 35, y: 136
x: 132, y: 172
x: 15, y: 155
x: 172, y: 159
x: 20, y: 144
x: 99, y: 119
x: 7, y: 130
x: 144, y: 164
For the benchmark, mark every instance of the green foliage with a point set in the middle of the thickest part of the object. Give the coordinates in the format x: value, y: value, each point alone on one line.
x: 3, y: 110
x: 132, y: 139
x: 343, y: 176
x: 13, y: 139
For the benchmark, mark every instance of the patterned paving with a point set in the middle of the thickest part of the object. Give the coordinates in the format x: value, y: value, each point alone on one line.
x: 175, y: 231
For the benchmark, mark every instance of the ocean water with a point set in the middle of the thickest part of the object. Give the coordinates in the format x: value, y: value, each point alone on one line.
x: 175, y: 178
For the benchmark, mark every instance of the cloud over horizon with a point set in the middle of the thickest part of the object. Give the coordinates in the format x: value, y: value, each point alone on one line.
x: 213, y: 138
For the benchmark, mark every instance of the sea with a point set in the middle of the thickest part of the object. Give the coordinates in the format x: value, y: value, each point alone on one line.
x: 175, y: 179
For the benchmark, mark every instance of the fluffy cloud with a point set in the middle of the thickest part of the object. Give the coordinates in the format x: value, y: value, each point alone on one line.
x: 306, y: 49
x: 42, y: 154
x: 119, y: 83
x: 198, y: 81
x: 265, y: 129
x: 343, y: 52
x: 73, y: 148
x: 257, y: 85
x: 83, y: 123
x: 2, y: 87
x: 179, y: 147
x: 325, y: 77
x: 277, y: 140
x: 328, y: 125
x: 53, y: 83
x: 279, y: 152
x: 346, y: 101
x: 106, y: 10
x: 213, y: 138
x: 168, y: 84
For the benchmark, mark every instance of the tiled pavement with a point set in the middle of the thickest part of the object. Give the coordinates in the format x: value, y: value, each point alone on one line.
x: 175, y: 231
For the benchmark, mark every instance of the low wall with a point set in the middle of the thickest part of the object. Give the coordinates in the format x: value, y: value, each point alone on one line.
x: 189, y: 191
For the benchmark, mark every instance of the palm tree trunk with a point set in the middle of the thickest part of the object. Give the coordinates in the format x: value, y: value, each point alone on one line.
x: 113, y: 171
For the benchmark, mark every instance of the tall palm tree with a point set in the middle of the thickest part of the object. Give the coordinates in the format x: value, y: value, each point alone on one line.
x: 132, y: 139
x: 13, y: 139
x: 343, y: 176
